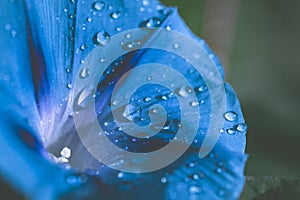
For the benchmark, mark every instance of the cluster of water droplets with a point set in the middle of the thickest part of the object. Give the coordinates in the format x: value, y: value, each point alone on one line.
x: 232, y: 117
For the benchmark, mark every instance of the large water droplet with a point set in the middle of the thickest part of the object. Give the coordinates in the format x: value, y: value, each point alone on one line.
x: 115, y: 15
x: 85, y: 72
x: 241, y: 127
x: 101, y: 38
x: 84, y: 98
x: 230, y: 116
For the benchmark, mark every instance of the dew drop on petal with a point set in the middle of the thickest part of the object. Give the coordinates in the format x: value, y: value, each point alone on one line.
x: 194, y: 189
x: 65, y: 152
x: 230, y: 116
x: 152, y: 22
x: 13, y: 33
x: 115, y: 15
x: 120, y: 175
x: 201, y: 88
x: 163, y: 180
x: 231, y: 131
x: 83, y: 47
x: 194, y: 103
x: 102, y: 60
x: 184, y: 91
x: 241, y: 127
x: 168, y: 27
x: 176, y: 46
x: 69, y: 85
x: 89, y: 19
x: 98, y: 5
x: 85, y: 72
x: 101, y: 38
x: 147, y: 99
x: 145, y: 2
x: 219, y: 170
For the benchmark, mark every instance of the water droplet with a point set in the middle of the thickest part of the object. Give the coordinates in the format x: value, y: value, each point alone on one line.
x: 102, y: 60
x: 231, y: 131
x: 145, y: 2
x: 155, y: 110
x: 85, y: 72
x: 83, y: 47
x: 194, y: 189
x: 115, y: 102
x: 101, y: 38
x: 222, y: 130
x: 162, y: 97
x: 230, y: 116
x: 163, y: 180
x: 13, y: 33
x: 128, y: 35
x: 195, y: 176
x: 168, y: 27
x: 65, y: 10
x: 241, y: 127
x: 89, y: 19
x: 130, y: 45
x: 152, y: 22
x: 98, y: 5
x: 201, y: 88
x: 115, y: 15
x: 219, y: 170
x: 118, y: 29
x: 184, y: 91
x: 84, y: 98
x: 120, y: 175
x: 176, y: 46
x: 69, y: 85
x: 194, y: 103
x: 65, y: 152
x: 191, y: 164
x: 147, y: 99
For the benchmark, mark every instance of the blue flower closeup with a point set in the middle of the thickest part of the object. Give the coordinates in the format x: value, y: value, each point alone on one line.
x: 43, y: 45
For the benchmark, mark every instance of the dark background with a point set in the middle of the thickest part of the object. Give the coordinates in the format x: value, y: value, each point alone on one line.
x: 258, y: 42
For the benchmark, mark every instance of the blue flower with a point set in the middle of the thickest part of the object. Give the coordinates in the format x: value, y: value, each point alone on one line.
x: 43, y: 46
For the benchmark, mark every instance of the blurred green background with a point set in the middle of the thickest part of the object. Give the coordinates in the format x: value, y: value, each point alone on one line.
x: 258, y: 43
